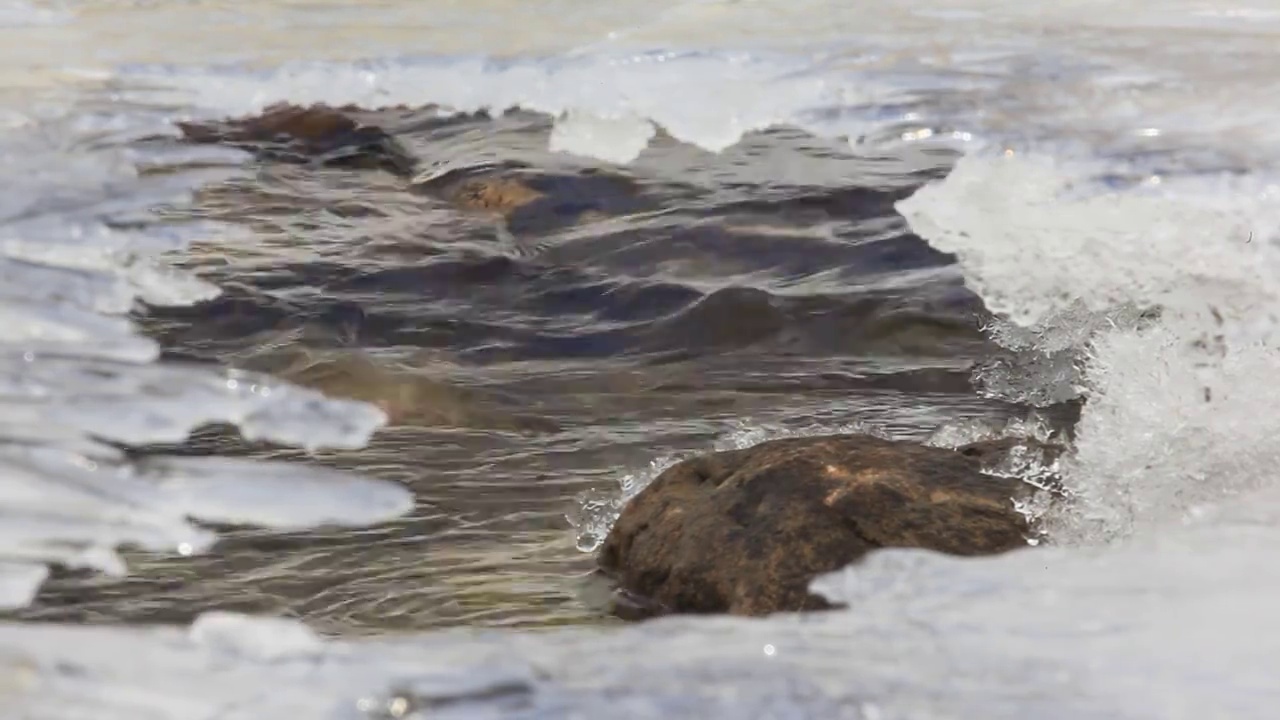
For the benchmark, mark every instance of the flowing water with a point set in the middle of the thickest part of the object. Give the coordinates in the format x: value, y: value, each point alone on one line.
x: 931, y: 220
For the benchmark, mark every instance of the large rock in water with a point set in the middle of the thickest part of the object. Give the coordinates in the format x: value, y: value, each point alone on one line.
x: 745, y: 531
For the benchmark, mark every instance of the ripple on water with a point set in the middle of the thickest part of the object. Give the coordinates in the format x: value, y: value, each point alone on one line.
x: 80, y: 383
x: 530, y: 325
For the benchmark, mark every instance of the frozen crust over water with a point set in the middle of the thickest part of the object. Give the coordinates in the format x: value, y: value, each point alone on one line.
x: 1055, y: 634
x: 1162, y: 299
x: 79, y: 385
x: 1088, y: 79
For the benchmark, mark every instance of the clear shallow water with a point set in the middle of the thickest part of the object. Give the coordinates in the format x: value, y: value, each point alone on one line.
x: 523, y: 363
x: 1107, y: 170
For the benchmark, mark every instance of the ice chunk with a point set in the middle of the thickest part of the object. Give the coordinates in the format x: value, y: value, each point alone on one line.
x: 245, y: 638
x: 77, y: 379
x: 19, y: 583
x: 280, y: 495
x: 617, y: 140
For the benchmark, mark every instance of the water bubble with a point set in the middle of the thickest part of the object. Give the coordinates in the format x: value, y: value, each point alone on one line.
x: 588, y: 542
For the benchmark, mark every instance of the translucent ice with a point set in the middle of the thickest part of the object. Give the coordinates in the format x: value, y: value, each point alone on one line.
x: 76, y: 378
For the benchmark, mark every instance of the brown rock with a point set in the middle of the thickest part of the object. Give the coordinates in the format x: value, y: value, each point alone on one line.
x: 745, y: 531
x: 408, y: 397
x: 498, y: 195
x: 316, y: 134
x: 533, y: 201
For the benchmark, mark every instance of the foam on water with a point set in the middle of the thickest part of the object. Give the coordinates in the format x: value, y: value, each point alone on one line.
x: 1117, y: 205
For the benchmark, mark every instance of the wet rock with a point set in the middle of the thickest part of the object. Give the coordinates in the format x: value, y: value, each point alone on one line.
x: 533, y: 201
x: 745, y: 531
x: 317, y: 134
x: 408, y: 397
x: 500, y: 195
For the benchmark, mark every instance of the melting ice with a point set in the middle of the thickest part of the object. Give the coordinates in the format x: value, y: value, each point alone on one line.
x: 1117, y: 203
x: 77, y: 382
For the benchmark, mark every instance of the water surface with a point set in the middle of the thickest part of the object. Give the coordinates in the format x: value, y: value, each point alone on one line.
x: 806, y: 208
x: 529, y: 359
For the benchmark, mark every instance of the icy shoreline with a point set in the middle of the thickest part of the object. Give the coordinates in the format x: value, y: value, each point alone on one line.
x: 1149, y: 184
x: 1056, y: 633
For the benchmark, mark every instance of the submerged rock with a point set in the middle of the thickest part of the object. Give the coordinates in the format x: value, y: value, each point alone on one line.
x: 744, y: 531
x: 529, y: 200
x: 533, y: 201
x: 408, y: 397
x: 317, y: 134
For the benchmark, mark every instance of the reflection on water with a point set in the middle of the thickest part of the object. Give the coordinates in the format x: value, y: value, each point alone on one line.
x: 575, y: 323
